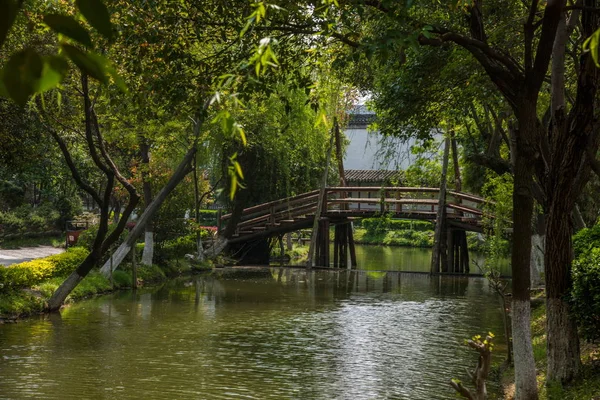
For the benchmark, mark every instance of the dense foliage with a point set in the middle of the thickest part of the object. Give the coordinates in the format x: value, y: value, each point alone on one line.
x: 586, y: 294
x: 585, y: 297
x: 30, y: 273
x: 385, y: 223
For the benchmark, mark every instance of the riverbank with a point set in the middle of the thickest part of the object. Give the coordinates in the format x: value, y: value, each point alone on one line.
x: 585, y: 387
x: 25, y: 288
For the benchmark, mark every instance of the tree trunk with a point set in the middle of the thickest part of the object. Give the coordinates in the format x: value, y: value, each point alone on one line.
x: 525, y: 377
x: 148, y: 253
x: 338, y: 152
x: 436, y: 254
x: 320, y: 201
x: 538, y: 248
x: 568, y: 142
x: 199, y: 247
x: 124, y: 249
x: 562, y: 339
x: 59, y: 296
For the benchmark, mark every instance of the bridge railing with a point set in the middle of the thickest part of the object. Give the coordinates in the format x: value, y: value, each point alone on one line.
x: 419, y: 201
x: 361, y: 201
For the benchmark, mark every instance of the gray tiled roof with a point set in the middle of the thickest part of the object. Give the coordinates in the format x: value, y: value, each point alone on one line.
x: 374, y: 176
x: 360, y: 120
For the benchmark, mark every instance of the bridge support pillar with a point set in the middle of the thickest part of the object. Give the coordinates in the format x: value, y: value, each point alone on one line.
x: 322, y: 256
x: 343, y: 245
x: 458, y: 252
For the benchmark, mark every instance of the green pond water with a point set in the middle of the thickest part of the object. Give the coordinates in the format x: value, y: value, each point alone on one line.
x: 414, y: 259
x: 257, y: 333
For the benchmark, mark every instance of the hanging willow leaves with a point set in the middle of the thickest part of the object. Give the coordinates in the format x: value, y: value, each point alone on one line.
x: 69, y: 27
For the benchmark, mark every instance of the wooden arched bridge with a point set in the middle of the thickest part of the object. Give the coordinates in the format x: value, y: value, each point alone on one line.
x: 340, y: 205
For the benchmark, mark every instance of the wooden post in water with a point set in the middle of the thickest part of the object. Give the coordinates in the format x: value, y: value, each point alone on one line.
x: 441, y: 215
x: 344, y: 246
x: 336, y: 246
x: 450, y: 251
x: 353, y: 262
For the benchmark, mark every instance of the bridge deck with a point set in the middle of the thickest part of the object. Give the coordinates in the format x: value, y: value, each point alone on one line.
x: 463, y: 210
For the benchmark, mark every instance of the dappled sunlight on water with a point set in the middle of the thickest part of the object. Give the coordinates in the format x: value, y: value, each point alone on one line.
x: 257, y: 334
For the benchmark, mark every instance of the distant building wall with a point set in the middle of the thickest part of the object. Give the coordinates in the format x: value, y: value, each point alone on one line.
x: 366, y: 150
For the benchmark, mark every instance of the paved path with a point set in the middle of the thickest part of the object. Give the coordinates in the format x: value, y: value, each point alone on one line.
x: 8, y: 257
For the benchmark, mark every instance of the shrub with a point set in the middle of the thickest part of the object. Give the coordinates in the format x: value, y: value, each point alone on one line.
x: 67, y: 262
x: 26, y: 273
x: 26, y: 218
x: 386, y: 223
x: 175, y: 248
x: 32, y: 272
x: 585, y: 240
x: 585, y: 297
x: 150, y: 273
x: 11, y: 223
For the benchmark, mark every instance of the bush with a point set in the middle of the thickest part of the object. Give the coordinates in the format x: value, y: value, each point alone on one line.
x: 29, y: 219
x: 585, y: 240
x: 585, y: 297
x: 11, y: 223
x: 150, y: 273
x: 386, y: 223
x: 26, y: 274
x: 32, y: 272
x: 175, y: 248
x: 67, y: 262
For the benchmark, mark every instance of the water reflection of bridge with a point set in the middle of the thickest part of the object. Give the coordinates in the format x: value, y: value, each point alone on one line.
x: 336, y: 284
x: 337, y: 207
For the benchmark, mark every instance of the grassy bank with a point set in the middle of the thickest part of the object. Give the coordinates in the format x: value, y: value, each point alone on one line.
x: 409, y: 238
x: 586, y: 387
x: 25, y: 288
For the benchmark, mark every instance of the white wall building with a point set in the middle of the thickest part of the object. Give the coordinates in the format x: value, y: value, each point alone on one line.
x: 371, y: 150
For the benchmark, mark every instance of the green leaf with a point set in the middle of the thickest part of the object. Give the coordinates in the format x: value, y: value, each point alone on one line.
x: 55, y: 69
x: 96, y: 13
x: 238, y: 169
x: 233, y: 188
x: 591, y: 45
x: 22, y: 74
x: 8, y: 12
x: 89, y: 64
x: 69, y: 27
x: 110, y: 70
